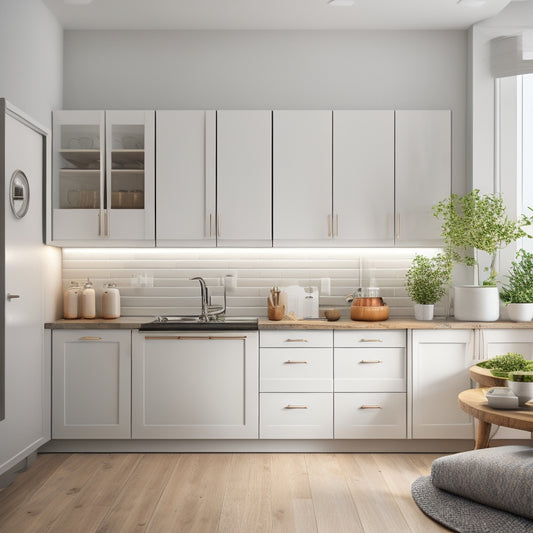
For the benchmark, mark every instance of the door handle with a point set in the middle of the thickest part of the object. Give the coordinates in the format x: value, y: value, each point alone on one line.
x: 12, y: 296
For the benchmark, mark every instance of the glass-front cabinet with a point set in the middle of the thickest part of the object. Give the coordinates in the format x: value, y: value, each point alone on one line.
x: 103, y: 178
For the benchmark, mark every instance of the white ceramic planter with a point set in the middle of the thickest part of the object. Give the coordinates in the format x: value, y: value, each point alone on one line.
x: 522, y: 389
x: 520, y: 312
x: 424, y: 312
x: 476, y: 303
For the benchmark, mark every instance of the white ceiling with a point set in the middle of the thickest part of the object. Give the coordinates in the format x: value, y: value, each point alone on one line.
x: 271, y: 14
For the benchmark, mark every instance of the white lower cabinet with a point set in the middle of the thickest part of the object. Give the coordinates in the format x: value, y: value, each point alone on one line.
x: 194, y: 385
x: 370, y: 415
x: 296, y: 384
x: 440, y: 372
x: 288, y: 415
x: 370, y: 384
x: 91, y: 384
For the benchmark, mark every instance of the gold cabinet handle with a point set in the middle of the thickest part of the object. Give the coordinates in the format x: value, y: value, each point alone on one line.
x: 90, y: 339
x: 108, y: 223
x: 12, y: 296
x: 296, y: 340
x: 370, y: 340
x: 290, y: 406
x: 190, y: 338
x: 370, y: 407
x: 398, y: 220
x: 210, y: 224
x: 365, y: 362
x: 329, y: 225
x: 289, y: 362
x: 336, y: 225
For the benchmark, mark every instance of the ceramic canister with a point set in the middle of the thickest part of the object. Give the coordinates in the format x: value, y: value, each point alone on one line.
x: 110, y: 301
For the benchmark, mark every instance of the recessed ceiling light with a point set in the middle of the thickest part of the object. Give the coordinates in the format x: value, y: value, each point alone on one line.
x: 472, y: 3
x: 341, y: 3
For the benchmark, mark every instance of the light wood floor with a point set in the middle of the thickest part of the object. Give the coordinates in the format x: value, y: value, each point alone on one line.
x: 222, y: 493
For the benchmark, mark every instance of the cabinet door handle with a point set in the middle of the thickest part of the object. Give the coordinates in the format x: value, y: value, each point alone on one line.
x: 296, y: 340
x: 370, y: 407
x: 99, y: 223
x: 289, y: 362
x: 12, y: 296
x: 210, y: 224
x: 219, y: 225
x: 365, y: 362
x: 90, y: 339
x: 370, y: 340
x: 108, y: 223
x: 398, y: 228
x: 337, y: 225
x: 295, y: 407
x: 329, y: 225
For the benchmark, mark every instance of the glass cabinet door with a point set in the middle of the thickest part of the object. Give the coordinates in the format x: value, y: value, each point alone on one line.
x: 78, y: 174
x: 130, y: 138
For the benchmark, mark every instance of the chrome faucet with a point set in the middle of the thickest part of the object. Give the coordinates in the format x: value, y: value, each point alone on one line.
x: 205, y: 297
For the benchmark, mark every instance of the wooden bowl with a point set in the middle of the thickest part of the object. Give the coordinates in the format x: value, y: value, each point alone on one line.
x: 369, y: 313
x: 485, y: 378
x: 332, y: 314
x: 369, y: 301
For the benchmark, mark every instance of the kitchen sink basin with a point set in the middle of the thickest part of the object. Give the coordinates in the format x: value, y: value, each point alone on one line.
x: 195, y: 323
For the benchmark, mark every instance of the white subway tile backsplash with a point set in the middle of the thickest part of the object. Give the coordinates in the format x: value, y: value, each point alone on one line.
x: 257, y: 270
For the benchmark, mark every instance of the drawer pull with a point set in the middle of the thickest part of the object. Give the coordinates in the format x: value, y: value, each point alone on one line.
x: 289, y: 362
x: 295, y: 407
x: 370, y: 340
x: 296, y: 340
x: 90, y: 338
x: 370, y: 407
x: 365, y: 362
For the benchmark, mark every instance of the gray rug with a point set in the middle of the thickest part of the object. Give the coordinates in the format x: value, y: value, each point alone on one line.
x: 463, y: 515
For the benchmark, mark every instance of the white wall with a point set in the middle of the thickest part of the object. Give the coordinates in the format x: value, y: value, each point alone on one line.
x: 31, y: 58
x: 272, y: 70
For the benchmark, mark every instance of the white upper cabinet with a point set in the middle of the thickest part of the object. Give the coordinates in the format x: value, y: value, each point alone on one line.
x: 103, y: 179
x: 185, y: 162
x: 363, y: 178
x: 423, y: 174
x: 302, y: 155
x: 244, y: 178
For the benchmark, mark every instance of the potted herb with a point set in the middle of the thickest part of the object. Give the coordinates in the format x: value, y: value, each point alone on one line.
x: 471, y: 224
x: 517, y: 294
x: 426, y: 282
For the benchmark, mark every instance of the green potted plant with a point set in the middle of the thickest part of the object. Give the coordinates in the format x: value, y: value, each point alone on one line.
x: 471, y: 224
x: 517, y: 294
x: 427, y: 281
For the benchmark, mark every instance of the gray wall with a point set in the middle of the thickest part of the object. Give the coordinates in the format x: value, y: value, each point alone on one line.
x: 273, y: 70
x: 31, y: 58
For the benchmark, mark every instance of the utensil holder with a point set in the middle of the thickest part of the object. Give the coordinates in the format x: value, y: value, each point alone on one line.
x: 276, y: 312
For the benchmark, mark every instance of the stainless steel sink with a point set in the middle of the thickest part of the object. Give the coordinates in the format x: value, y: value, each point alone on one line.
x: 177, y: 323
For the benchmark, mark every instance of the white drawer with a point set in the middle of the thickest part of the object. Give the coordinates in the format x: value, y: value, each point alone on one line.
x: 296, y: 415
x: 296, y: 338
x: 371, y: 338
x: 370, y: 415
x: 304, y: 370
x: 377, y: 370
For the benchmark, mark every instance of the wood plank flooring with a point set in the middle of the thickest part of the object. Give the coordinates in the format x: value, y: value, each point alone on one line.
x: 217, y: 493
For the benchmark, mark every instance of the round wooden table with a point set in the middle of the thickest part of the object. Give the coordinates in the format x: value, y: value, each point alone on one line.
x: 474, y: 402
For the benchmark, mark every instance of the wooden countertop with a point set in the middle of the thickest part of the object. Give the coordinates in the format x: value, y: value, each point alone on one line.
x: 265, y: 324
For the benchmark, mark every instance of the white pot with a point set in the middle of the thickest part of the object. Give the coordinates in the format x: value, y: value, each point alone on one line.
x: 522, y: 389
x: 424, y: 312
x: 520, y: 312
x: 476, y: 303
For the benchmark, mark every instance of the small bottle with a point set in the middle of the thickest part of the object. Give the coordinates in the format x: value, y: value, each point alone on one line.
x: 110, y: 301
x: 70, y: 301
x: 88, y: 301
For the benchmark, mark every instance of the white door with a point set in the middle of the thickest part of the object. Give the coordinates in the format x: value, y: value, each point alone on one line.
x: 423, y: 174
x: 363, y: 178
x: 494, y: 342
x: 91, y: 384
x: 244, y: 178
x: 185, y: 192
x: 440, y: 372
x: 25, y: 426
x: 302, y: 155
